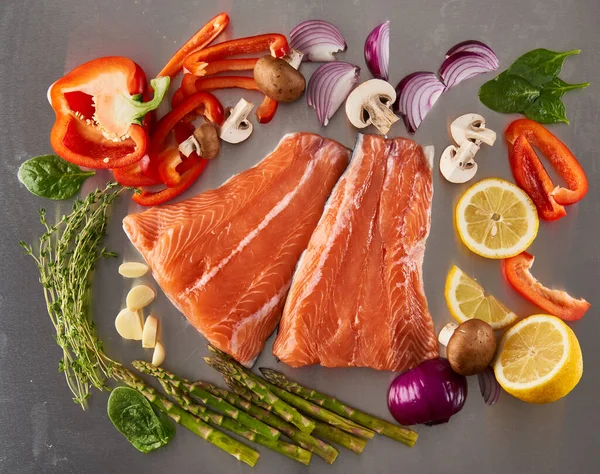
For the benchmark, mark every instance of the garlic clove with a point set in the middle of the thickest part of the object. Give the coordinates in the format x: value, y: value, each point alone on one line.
x: 129, y: 324
x: 133, y: 269
x: 139, y: 297
x: 158, y: 357
x: 150, y: 332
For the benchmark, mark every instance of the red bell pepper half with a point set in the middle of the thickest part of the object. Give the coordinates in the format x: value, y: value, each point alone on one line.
x: 276, y: 43
x: 99, y: 115
x: 201, y: 38
x: 556, y: 302
x: 530, y: 174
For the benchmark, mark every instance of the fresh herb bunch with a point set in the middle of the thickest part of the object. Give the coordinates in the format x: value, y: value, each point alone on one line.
x: 67, y: 255
x: 531, y: 86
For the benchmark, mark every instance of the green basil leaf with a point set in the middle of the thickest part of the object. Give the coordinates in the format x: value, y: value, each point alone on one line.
x: 508, y: 94
x: 133, y: 415
x: 547, y: 109
x: 540, y: 65
x: 49, y: 176
x: 557, y: 87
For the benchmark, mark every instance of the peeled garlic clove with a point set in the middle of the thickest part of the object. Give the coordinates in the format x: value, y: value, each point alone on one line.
x: 133, y: 269
x: 150, y: 332
x: 158, y: 357
x: 129, y: 324
x: 139, y: 297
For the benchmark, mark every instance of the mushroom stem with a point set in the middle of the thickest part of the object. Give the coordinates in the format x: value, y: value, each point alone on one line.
x: 482, y: 135
x: 294, y: 58
x: 446, y: 333
x: 465, y: 154
x: 380, y: 116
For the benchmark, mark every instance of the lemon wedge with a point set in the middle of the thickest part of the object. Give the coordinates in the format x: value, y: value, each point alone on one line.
x: 496, y: 219
x: 466, y: 299
x: 539, y: 359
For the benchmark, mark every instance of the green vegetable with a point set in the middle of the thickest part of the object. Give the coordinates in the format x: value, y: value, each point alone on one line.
x: 531, y: 86
x: 135, y: 418
x: 540, y: 65
x: 508, y: 94
x: 547, y: 109
x: 66, y: 256
x: 49, y: 176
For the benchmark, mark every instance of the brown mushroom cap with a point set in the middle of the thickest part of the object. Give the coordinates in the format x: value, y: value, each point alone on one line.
x: 472, y: 347
x: 208, y: 138
x: 275, y: 78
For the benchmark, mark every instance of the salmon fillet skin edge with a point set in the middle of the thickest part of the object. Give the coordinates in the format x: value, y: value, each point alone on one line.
x: 357, y: 297
x: 225, y: 258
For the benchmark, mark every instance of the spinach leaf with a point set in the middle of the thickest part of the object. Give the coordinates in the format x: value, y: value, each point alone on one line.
x: 508, y: 94
x: 547, y: 109
x: 540, y: 65
x: 49, y: 176
x: 133, y: 415
x: 557, y: 87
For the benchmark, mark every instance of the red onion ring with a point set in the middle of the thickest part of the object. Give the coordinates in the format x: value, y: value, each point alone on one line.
x: 377, y: 51
x: 329, y: 87
x: 478, y: 47
x: 318, y: 40
x: 489, y: 386
x: 417, y: 93
x: 463, y: 65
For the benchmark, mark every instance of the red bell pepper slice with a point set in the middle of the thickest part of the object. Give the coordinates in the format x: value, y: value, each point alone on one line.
x: 190, y: 84
x: 98, y: 113
x: 238, y: 64
x: 177, y: 98
x: 134, y: 176
x: 276, y: 43
x: 168, y: 162
x: 556, y: 302
x: 535, y: 179
x: 188, y: 177
x: 201, y: 38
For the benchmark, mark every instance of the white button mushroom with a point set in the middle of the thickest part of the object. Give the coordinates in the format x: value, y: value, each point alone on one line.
x: 237, y: 128
x: 370, y: 103
x: 471, y: 127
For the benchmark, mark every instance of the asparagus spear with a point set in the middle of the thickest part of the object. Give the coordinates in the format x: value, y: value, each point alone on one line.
x: 316, y: 446
x: 208, y: 399
x: 294, y: 452
x: 398, y: 433
x: 306, y: 407
x: 230, y: 445
x: 288, y: 413
x: 322, y: 430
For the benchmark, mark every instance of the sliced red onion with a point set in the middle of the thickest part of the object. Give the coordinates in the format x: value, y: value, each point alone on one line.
x: 319, y: 40
x: 417, y: 93
x: 463, y: 65
x: 377, y: 51
x: 489, y: 386
x: 478, y: 47
x: 329, y: 87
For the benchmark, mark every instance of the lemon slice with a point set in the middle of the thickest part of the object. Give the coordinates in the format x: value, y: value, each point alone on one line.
x: 466, y: 299
x: 496, y: 219
x: 539, y: 359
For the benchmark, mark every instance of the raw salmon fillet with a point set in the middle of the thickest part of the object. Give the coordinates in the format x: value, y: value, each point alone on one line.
x: 225, y: 258
x: 357, y: 297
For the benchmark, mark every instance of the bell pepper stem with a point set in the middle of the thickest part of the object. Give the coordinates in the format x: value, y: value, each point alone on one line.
x: 137, y: 109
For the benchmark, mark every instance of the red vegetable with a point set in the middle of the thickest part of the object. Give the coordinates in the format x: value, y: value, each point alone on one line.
x: 463, y: 65
x: 417, y: 93
x: 238, y: 64
x: 318, y: 40
x: 133, y: 175
x: 478, y: 47
x: 377, y: 51
x: 276, y: 43
x: 329, y: 86
x: 201, y: 38
x: 430, y: 393
x: 98, y: 115
x: 531, y: 175
x: 556, y: 302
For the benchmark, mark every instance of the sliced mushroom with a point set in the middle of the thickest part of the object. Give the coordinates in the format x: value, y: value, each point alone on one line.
x: 204, y: 141
x: 458, y: 164
x: 471, y: 127
x: 370, y: 104
x: 237, y: 127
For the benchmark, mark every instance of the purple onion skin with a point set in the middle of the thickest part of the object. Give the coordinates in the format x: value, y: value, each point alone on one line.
x: 430, y: 393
